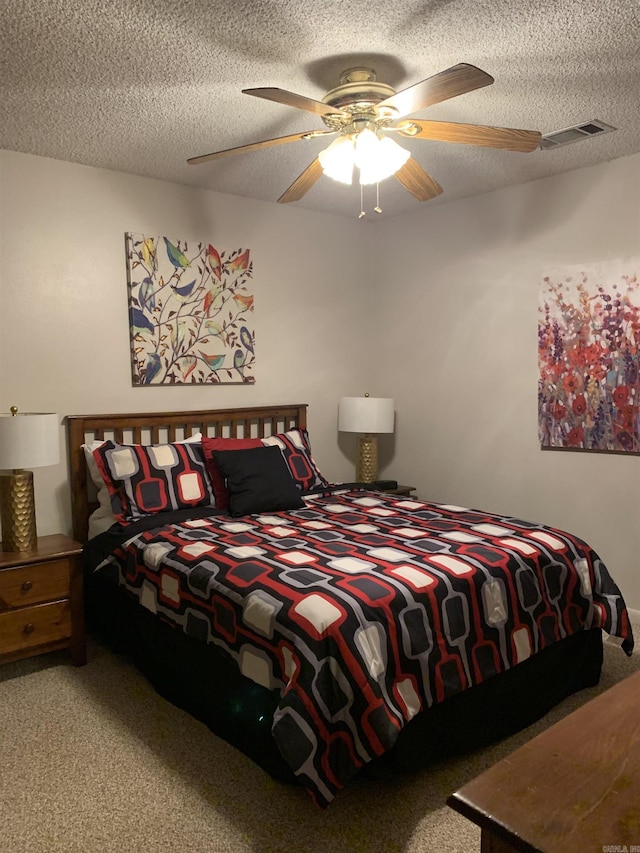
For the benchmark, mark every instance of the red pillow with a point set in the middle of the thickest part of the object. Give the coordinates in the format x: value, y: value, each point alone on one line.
x: 217, y: 480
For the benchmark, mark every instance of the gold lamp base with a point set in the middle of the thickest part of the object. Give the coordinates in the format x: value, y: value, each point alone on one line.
x: 367, y: 459
x: 18, y: 511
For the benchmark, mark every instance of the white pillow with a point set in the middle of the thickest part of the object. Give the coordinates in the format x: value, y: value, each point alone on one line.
x: 102, y: 518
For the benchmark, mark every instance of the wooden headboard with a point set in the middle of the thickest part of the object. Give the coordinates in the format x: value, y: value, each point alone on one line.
x: 159, y: 427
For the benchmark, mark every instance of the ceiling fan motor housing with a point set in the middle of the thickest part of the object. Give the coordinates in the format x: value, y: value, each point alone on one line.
x: 358, y: 91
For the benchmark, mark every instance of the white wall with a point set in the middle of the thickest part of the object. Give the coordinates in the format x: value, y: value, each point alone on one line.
x: 437, y: 309
x: 458, y: 295
x: 64, y: 340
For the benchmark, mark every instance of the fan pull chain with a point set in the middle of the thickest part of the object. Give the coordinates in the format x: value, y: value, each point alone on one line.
x: 362, y: 214
x: 377, y: 208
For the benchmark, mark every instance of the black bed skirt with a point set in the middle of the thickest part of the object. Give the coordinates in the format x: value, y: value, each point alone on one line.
x: 206, y: 683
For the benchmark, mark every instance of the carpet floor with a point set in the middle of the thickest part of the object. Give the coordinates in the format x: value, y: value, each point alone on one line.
x: 94, y: 761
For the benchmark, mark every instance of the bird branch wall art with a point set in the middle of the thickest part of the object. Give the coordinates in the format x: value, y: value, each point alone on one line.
x: 189, y: 312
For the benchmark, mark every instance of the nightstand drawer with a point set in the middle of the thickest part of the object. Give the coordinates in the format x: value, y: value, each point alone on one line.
x: 34, y: 626
x: 37, y: 582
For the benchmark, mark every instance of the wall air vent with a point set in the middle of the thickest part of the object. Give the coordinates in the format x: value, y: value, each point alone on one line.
x: 575, y: 134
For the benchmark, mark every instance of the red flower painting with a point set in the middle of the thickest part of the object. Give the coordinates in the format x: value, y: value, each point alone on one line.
x: 589, y: 364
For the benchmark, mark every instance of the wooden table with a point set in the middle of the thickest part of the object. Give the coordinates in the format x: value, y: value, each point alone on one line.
x: 575, y: 788
x: 41, y: 600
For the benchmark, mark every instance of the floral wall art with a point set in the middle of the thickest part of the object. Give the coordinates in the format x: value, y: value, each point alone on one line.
x: 190, y: 312
x: 589, y: 357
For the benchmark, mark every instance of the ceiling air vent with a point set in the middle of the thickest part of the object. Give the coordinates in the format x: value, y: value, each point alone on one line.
x: 595, y: 127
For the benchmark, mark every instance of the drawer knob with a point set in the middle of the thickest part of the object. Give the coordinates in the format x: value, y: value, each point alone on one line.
x: 26, y: 586
x: 28, y: 628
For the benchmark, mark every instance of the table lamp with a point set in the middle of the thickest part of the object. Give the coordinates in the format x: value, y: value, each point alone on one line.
x: 367, y: 416
x: 25, y: 439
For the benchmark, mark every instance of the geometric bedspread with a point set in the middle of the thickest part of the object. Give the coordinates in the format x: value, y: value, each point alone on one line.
x: 363, y: 608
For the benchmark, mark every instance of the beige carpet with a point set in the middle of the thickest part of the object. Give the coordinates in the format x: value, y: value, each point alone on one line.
x: 92, y: 760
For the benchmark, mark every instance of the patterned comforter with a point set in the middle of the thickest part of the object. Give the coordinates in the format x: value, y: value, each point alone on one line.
x: 363, y: 608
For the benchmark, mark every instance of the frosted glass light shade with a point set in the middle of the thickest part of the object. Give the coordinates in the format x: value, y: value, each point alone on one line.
x: 366, y: 414
x: 28, y: 440
x: 378, y: 158
x: 337, y: 160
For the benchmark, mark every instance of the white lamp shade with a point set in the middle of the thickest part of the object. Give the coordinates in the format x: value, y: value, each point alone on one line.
x: 366, y: 414
x: 29, y: 440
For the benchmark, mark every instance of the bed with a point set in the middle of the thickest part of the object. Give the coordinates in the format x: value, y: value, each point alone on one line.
x: 328, y: 629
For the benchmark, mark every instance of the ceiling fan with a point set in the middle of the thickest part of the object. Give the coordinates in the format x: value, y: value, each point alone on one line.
x: 363, y: 112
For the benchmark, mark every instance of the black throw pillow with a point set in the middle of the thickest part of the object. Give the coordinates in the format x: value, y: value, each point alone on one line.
x: 258, y: 480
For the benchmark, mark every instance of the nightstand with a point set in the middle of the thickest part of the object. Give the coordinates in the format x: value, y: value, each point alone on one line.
x: 41, y: 600
x: 400, y: 490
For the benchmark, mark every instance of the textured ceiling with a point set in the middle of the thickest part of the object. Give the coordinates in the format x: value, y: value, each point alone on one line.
x: 139, y: 86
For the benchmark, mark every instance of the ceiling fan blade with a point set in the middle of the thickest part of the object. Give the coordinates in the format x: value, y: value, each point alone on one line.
x: 254, y: 146
x: 455, y: 81
x: 414, y: 178
x: 290, y: 99
x: 508, y: 138
x: 302, y: 183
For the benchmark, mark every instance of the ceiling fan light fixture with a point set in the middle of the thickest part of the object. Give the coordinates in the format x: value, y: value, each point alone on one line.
x: 338, y: 159
x: 362, y: 104
x: 377, y: 157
